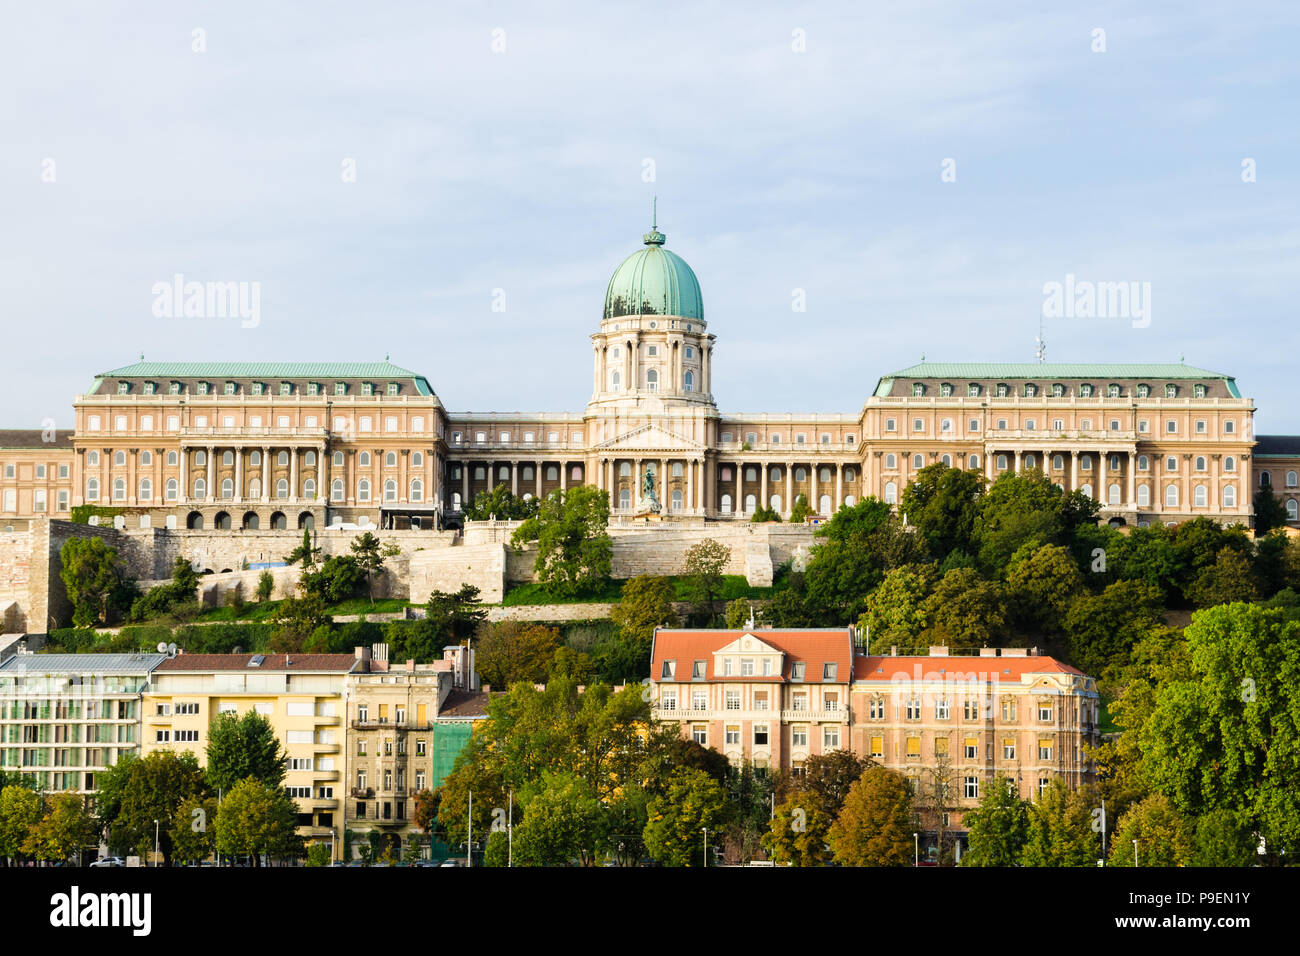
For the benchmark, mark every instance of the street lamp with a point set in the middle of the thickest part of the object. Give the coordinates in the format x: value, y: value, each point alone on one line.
x: 155, y: 843
x: 706, y: 846
x: 1135, y: 852
x: 916, y: 849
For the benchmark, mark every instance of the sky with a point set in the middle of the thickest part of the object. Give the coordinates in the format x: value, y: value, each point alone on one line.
x: 452, y: 185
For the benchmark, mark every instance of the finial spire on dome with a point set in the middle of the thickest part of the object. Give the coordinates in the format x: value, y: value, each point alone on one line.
x: 654, y: 237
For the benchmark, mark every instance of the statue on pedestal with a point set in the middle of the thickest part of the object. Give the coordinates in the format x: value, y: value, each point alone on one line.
x: 649, y: 500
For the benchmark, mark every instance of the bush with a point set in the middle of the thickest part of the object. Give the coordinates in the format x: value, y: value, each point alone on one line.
x: 318, y: 854
x: 70, y: 640
x: 338, y: 579
x: 224, y: 638
x: 265, y: 585
x: 762, y: 514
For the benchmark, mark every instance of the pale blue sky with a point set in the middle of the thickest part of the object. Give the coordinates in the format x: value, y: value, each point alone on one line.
x: 522, y: 170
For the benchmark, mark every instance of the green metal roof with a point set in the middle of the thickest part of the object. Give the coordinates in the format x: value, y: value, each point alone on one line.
x: 654, y: 281
x: 1039, y: 371
x: 269, y: 370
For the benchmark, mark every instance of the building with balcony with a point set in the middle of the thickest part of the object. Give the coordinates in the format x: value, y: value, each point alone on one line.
x: 772, y: 697
x: 303, y: 697
x: 66, y: 717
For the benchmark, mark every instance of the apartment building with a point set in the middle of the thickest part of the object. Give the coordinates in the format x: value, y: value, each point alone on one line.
x: 66, y: 717
x: 773, y: 697
x: 303, y: 697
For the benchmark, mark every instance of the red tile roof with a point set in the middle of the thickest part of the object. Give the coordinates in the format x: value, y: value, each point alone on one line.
x: 1008, y: 669
x: 813, y: 646
x: 342, y: 663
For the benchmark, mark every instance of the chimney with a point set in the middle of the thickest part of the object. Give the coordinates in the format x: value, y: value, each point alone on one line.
x: 361, y: 653
x: 939, y: 651
x: 988, y: 652
x: 410, y: 663
x: 893, y: 650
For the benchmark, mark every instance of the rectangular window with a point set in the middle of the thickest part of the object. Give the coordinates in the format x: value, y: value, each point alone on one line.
x: 760, y: 735
x: 733, y: 700
x: 733, y: 733
x: 972, y: 788
x: 1045, y: 749
x: 914, y: 746
x: 831, y: 738
x: 877, y: 746
x: 799, y: 737
x: 971, y: 747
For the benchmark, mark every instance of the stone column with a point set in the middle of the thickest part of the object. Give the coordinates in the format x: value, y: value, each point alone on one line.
x: 293, y: 476
x: 1074, y: 469
x: 689, y: 472
x: 325, y: 474
x: 514, y: 478
x: 537, y: 478
x: 131, y: 490
x: 464, y: 484
x: 184, y: 459
x: 1212, y: 496
x: 762, y: 484
x: 267, y: 474
x: 403, y: 475
x: 814, y: 500
x: 210, y: 470
x: 664, y: 498
x: 740, y: 488
x: 839, y: 489
x: 1017, y: 461
x: 1132, y: 480
x: 788, y: 501
x: 564, y: 476
x: 239, y: 474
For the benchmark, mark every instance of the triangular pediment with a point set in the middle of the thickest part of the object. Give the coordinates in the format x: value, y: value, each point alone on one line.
x: 650, y: 438
x: 748, y: 644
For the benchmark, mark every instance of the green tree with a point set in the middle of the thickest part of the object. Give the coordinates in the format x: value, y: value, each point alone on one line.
x: 800, y: 511
x: 1270, y: 511
x: 511, y: 651
x: 703, y: 569
x: 943, y: 504
x: 692, y: 802
x: 500, y: 504
x: 243, y: 747
x: 156, y: 786
x: 318, y: 854
x: 265, y: 585
x: 369, y: 553
x: 1101, y: 629
x: 1017, y: 509
x: 573, y: 546
x: 94, y: 579
x: 193, y: 829
x: 561, y: 822
x: 64, y: 829
x: 425, y: 814
x: 999, y: 826
x: 1226, y: 738
x: 875, y: 825
x: 1160, y: 832
x: 257, y: 818
x: 306, y: 552
x: 1219, y: 838
x: 20, y: 810
x: 456, y: 615
x: 294, y: 622
x: 1230, y: 578
x: 738, y: 613
x: 646, y: 603
x: 337, y: 579
x: 1060, y: 831
x: 811, y: 802
x: 895, y: 614
x: 965, y: 611
x: 1042, y: 582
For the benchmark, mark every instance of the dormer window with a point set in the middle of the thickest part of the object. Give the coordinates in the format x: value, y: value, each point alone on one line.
x: 340, y: 388
x: 286, y: 388
x: 796, y: 671
x: 917, y: 389
x: 203, y: 388
x: 973, y: 390
x: 230, y: 388
x: 1003, y: 391
x: 699, y: 669
x: 829, y: 671
x: 1030, y: 390
x: 1198, y: 391
x: 255, y: 388
x: 367, y: 388
x: 1144, y: 391
x: 392, y: 388
x: 669, y: 669
x: 150, y: 388
x: 1058, y: 390
x: 123, y: 387
x: 313, y: 388
x: 1085, y: 390
x: 1112, y: 391
x: 1171, y: 391
x: 174, y: 388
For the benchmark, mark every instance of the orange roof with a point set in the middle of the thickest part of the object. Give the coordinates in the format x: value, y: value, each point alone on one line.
x: 814, y: 647
x: 1008, y: 669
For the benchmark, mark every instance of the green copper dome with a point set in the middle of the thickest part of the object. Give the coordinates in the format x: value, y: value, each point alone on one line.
x: 654, y: 281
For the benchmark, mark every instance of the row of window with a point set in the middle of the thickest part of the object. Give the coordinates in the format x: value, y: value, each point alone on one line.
x: 946, y: 426
x: 877, y: 709
x: 652, y: 381
x: 761, y: 736
x: 1057, y: 390
x: 1266, y: 479
x: 227, y: 490
x: 200, y: 459
x: 526, y: 472
x: 174, y: 387
x: 970, y: 748
x: 42, y: 472
x: 40, y: 500
x: 800, y: 438
x: 825, y: 474
x: 527, y: 438
x: 342, y: 425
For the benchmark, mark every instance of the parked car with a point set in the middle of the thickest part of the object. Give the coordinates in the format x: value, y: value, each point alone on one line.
x: 109, y: 861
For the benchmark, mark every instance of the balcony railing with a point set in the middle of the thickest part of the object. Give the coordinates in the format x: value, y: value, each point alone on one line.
x: 362, y: 793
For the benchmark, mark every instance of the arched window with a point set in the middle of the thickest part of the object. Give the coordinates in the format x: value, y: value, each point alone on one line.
x: 750, y: 504
x: 283, y: 459
x: 575, y: 473
x: 390, y: 490
x: 824, y: 476
x: 677, y: 499
x: 146, y: 458
x: 338, y: 459
x: 1031, y: 461
x: 1198, y: 496
x: 146, y: 489
x: 309, y: 460
x: 1265, y: 479
x: 363, y: 489
x: 119, y: 458
x: 891, y: 493
x: 171, y: 458
x: 417, y: 459
x: 1230, y: 464
x: 336, y: 489
x: 282, y: 488
x: 625, y: 499
x: 1171, y: 496
x: 227, y: 487
x: 1114, y: 462
x: 625, y: 470
x: 652, y: 380
x: 890, y: 462
x: 200, y: 458
x: 171, y: 489
x: 254, y: 459
x: 725, y: 505
x: 775, y: 503
x: 1292, y: 507
x: 1200, y: 462
x: 1143, y: 463
x: 799, y: 474
x: 1002, y: 462
x: 455, y: 501
x: 200, y: 488
x: 774, y: 473
x: 1086, y: 489
x: 92, y: 489
x: 614, y: 382
x: 688, y: 381
x: 918, y: 462
x: 1230, y: 496
x: 552, y: 473
x: 824, y: 505
x: 1112, y: 495
x: 390, y: 460
x: 417, y: 489
x: 974, y: 461
x: 1144, y: 496
x: 1085, y: 462
x: 309, y: 488
x: 255, y: 488
x: 1058, y: 462
x: 677, y: 469
x: 1291, y: 479
x: 503, y: 473
x: 947, y: 461
x: 751, y: 474
x: 227, y: 458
